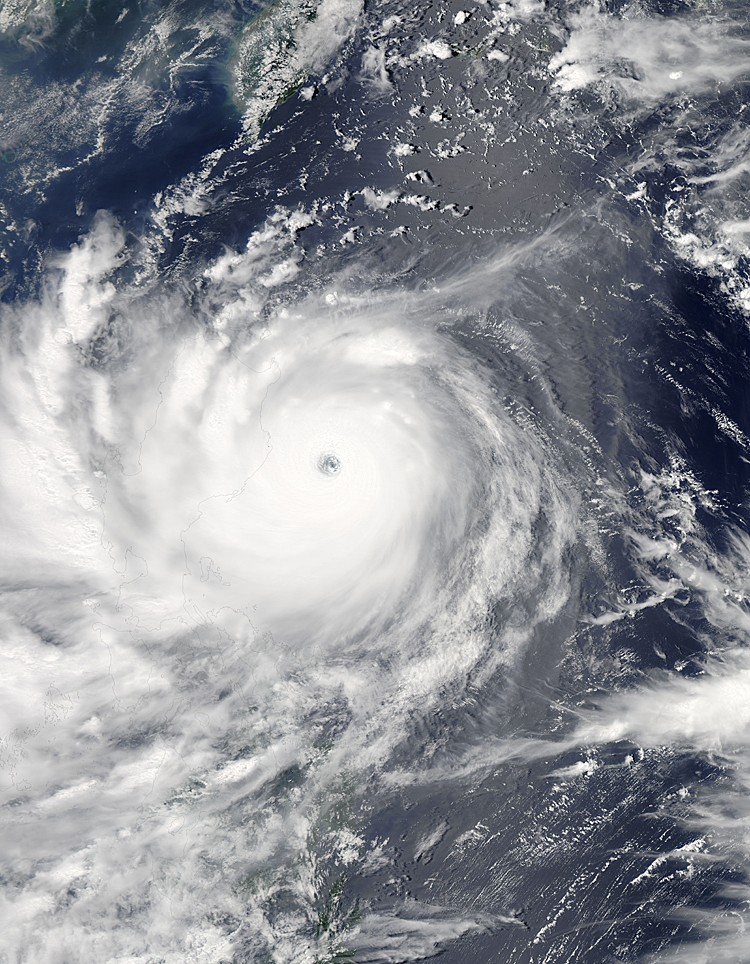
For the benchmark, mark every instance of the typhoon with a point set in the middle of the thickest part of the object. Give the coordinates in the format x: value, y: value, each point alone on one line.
x: 374, y: 450
x: 276, y: 544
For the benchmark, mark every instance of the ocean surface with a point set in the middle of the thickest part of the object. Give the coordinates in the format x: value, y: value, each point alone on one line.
x: 374, y: 463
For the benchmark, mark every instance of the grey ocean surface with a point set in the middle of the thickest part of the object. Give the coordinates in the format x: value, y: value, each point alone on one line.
x: 374, y: 443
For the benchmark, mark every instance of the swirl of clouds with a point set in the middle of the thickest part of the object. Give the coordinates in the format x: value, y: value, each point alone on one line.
x: 252, y: 542
x: 249, y: 553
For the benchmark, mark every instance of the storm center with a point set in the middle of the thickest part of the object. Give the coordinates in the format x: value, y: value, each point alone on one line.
x: 328, y: 464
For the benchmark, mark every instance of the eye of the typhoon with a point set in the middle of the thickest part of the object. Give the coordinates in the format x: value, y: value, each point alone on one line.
x: 329, y: 464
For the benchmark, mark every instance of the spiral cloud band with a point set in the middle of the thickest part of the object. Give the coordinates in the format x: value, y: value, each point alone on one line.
x: 324, y: 448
